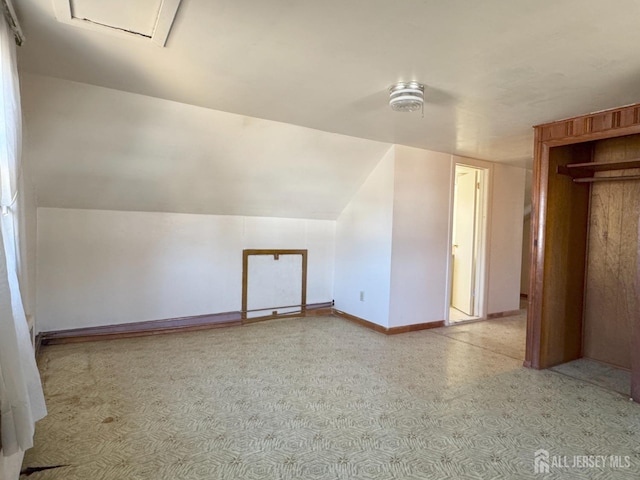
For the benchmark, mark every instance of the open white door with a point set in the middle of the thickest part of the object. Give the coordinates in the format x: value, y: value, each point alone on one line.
x: 465, y: 206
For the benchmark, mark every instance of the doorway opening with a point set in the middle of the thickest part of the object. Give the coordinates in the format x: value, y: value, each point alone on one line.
x: 468, y: 248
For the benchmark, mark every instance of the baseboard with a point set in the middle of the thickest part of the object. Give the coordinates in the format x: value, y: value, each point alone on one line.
x: 508, y: 313
x: 387, y: 331
x: 319, y: 312
x: 359, y: 321
x: 415, y: 327
x: 140, y: 329
x: 171, y: 325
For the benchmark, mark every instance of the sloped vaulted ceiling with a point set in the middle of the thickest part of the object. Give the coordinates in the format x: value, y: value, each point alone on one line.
x: 92, y: 147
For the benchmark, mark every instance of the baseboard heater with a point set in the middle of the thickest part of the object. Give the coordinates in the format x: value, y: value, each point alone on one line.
x: 182, y: 324
x: 325, y: 308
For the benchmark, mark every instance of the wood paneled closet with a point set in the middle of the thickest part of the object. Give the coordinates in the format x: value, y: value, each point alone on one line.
x: 584, y: 280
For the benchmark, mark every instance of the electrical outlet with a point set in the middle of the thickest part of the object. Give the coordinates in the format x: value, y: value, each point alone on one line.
x: 362, y: 295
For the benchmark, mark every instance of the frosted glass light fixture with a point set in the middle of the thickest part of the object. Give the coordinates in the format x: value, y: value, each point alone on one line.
x: 406, y: 96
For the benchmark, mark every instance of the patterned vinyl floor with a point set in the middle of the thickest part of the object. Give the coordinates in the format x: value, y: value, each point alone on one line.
x: 321, y: 398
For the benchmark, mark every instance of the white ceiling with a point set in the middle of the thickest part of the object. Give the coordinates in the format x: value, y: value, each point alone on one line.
x: 493, y: 68
x: 139, y: 16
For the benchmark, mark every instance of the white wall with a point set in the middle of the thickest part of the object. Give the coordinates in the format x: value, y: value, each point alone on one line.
x: 393, y: 239
x: 363, y: 247
x: 99, y: 267
x: 420, y: 236
x: 526, y: 234
x: 106, y: 267
x: 505, y: 255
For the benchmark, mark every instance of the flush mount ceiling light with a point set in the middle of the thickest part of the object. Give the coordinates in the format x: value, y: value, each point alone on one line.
x: 406, y: 96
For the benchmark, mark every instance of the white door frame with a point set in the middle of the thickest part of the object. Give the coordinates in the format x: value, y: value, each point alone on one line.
x: 484, y: 234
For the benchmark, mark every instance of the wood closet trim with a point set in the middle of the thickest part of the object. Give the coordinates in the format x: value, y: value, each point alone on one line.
x: 617, y: 122
x: 635, y: 352
x: 245, y: 278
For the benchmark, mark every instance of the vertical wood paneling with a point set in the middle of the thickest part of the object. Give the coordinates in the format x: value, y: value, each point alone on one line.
x: 565, y: 230
x: 595, y: 285
x: 627, y: 281
x: 536, y: 247
x: 611, y: 285
x: 635, y: 350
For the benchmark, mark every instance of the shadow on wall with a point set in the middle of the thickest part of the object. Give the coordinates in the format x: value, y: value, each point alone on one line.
x: 526, y: 233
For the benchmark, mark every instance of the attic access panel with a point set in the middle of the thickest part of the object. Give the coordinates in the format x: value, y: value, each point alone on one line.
x: 142, y: 19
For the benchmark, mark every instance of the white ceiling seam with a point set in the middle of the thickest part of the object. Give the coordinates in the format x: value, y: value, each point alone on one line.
x: 147, y: 19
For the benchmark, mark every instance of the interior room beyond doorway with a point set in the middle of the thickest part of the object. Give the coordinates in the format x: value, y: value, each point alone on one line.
x: 468, y: 244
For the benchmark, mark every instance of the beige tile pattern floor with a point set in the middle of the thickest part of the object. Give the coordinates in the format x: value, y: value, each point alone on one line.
x: 456, y: 316
x: 319, y: 398
x: 607, y: 376
x: 501, y: 335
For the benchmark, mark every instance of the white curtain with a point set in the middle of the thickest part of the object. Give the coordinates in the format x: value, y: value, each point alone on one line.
x: 21, y: 397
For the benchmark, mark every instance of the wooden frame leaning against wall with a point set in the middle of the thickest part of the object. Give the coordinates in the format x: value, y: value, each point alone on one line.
x: 245, y: 281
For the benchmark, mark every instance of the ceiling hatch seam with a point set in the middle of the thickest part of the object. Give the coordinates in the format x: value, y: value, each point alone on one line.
x: 114, y: 27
